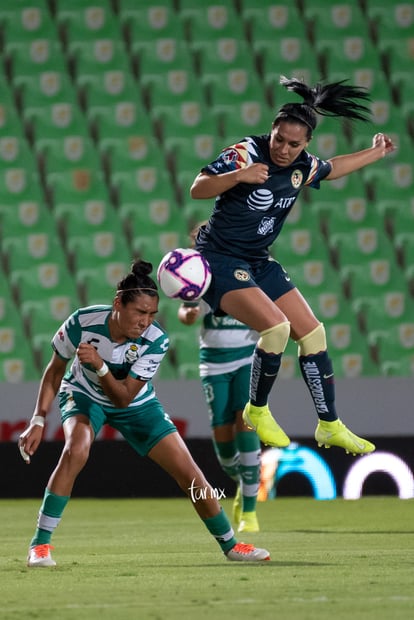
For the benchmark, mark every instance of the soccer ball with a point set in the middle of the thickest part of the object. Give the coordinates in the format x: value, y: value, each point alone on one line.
x: 184, y: 274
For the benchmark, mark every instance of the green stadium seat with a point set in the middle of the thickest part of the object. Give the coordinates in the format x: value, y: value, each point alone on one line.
x: 154, y: 246
x: 27, y: 20
x: 142, y: 24
x: 394, y: 342
x: 104, y: 90
x: 388, y: 308
x: 404, y: 245
x: 243, y: 119
x: 15, y: 152
x: 350, y: 353
x: 394, y: 19
x: 269, y: 21
x: 21, y: 217
x: 91, y: 56
x: 17, y: 365
x: 189, y: 119
x: 55, y: 120
x: 75, y: 216
x: 175, y: 87
x: 400, y: 214
x: 71, y: 152
x: 42, y: 281
x: 80, y: 21
x: 145, y: 182
x: 372, y: 278
x: 129, y: 152
x: 18, y: 185
x: 42, y: 89
x: 191, y: 153
x: 291, y: 56
x: 10, y: 123
x: 403, y: 367
x: 210, y: 21
x: 33, y: 56
x: 228, y: 87
x: 160, y: 55
x: 158, y: 213
x: 360, y: 246
x: 338, y: 20
x: 74, y: 186
x: 30, y: 249
x: 97, y: 284
x: 120, y: 120
x: 216, y: 55
x: 92, y: 249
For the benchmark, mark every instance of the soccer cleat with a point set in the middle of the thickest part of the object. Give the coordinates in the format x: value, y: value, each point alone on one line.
x: 237, y: 506
x: 241, y: 552
x: 39, y: 555
x: 268, y: 430
x: 248, y: 522
x: 337, y: 434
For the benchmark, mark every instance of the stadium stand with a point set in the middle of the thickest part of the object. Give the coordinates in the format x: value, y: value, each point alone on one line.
x: 109, y: 109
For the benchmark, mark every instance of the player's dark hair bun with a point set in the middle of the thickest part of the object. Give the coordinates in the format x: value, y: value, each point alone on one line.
x: 141, y: 268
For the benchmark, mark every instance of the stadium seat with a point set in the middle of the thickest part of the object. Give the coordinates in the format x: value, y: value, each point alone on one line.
x: 215, y: 55
x: 291, y: 56
x: 71, y: 152
x: 43, y: 89
x: 32, y: 56
x: 388, y: 308
x: 80, y: 21
x: 91, y: 56
x: 101, y: 247
x: 101, y: 90
x: 243, y: 119
x: 188, y: 119
x: 16, y: 358
x: 42, y: 281
x: 142, y: 24
x: 372, y: 278
x: 160, y: 55
x: 24, y: 20
x: 120, y: 120
x: 350, y: 352
x: 19, y: 217
x: 97, y: 284
x: 395, y: 19
x: 172, y: 87
x: 360, y: 246
x: 54, y: 121
x: 209, y: 22
x: 269, y: 21
x: 393, y: 343
x: 25, y: 250
x: 228, y: 87
x: 154, y: 246
x: 75, y: 215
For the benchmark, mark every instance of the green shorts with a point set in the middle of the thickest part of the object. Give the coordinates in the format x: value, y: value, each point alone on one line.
x: 142, y: 427
x: 226, y: 394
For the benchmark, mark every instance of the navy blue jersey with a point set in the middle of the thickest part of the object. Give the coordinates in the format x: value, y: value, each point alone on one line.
x: 247, y: 218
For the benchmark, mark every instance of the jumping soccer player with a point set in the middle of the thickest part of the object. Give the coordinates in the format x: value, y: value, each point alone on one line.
x: 255, y: 184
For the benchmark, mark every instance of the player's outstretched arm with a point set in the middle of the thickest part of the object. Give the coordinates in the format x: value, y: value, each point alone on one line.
x: 342, y: 165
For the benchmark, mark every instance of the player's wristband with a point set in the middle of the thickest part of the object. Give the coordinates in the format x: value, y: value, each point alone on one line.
x: 103, y: 370
x: 38, y: 420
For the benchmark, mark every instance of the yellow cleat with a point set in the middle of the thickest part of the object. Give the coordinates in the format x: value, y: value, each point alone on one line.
x: 248, y: 523
x: 337, y: 434
x: 268, y: 430
x: 237, y: 506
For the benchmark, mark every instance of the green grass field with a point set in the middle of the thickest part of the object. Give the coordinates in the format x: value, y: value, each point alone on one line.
x: 122, y: 559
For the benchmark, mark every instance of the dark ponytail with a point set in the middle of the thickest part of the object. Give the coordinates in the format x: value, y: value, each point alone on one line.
x: 335, y: 99
x: 137, y: 282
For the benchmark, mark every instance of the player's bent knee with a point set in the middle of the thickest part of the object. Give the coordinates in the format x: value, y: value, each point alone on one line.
x: 275, y: 339
x: 314, y: 342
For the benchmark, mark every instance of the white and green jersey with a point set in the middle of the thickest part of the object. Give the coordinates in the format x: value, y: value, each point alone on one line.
x: 225, y: 343
x: 139, y: 357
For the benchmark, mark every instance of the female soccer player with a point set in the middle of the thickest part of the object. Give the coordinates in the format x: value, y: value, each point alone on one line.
x: 226, y: 351
x: 116, y: 351
x: 256, y: 183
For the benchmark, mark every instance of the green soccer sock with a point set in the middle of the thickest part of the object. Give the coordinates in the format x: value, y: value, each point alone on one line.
x: 229, y: 458
x: 49, y: 517
x: 219, y: 527
x: 248, y: 444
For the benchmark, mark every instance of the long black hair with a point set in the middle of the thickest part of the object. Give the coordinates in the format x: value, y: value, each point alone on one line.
x: 137, y: 282
x: 334, y: 99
